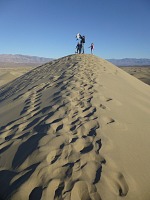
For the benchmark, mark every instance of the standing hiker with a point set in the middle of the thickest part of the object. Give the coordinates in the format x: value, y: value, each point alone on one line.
x: 82, y: 42
x: 92, y: 48
x: 80, y: 45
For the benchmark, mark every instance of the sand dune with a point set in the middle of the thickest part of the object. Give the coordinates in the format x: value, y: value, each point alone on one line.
x: 9, y: 74
x: 76, y: 128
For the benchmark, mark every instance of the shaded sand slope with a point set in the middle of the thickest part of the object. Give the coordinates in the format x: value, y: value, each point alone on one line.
x: 75, y: 128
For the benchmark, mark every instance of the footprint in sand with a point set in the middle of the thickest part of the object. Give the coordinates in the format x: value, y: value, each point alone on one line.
x: 82, y: 190
x: 102, y: 106
x: 83, y: 146
x: 117, y: 183
x: 108, y: 99
x: 108, y: 120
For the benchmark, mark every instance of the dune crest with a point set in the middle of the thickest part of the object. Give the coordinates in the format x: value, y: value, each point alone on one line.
x: 75, y: 128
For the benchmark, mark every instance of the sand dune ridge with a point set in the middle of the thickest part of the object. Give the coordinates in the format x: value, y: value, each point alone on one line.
x: 65, y: 128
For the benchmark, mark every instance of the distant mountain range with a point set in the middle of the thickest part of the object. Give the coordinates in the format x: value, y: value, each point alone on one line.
x: 20, y: 60
x: 130, y: 61
x: 17, y: 58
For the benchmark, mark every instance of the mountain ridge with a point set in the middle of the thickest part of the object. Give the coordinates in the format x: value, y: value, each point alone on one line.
x: 19, y: 58
x: 130, y: 61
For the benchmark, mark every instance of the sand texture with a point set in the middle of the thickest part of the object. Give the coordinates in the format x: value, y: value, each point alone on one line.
x: 77, y: 128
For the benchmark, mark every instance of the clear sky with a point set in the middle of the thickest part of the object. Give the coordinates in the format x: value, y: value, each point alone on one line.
x: 47, y: 28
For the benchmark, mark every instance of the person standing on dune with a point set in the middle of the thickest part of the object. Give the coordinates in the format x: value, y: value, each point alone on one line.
x: 80, y: 45
x: 92, y: 48
x: 82, y: 42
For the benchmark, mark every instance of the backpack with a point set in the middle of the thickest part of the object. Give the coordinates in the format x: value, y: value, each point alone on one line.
x: 83, y: 39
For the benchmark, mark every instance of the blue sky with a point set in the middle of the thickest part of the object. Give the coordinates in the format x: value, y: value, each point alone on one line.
x: 47, y: 28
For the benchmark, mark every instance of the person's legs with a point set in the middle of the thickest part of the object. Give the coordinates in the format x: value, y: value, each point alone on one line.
x: 82, y: 47
x: 79, y: 49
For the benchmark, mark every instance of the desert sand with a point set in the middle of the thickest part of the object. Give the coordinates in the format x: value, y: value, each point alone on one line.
x: 140, y: 72
x: 12, y: 71
x: 8, y: 74
x: 76, y: 128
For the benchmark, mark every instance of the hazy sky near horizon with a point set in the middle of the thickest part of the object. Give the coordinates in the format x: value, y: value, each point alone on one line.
x: 47, y: 28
